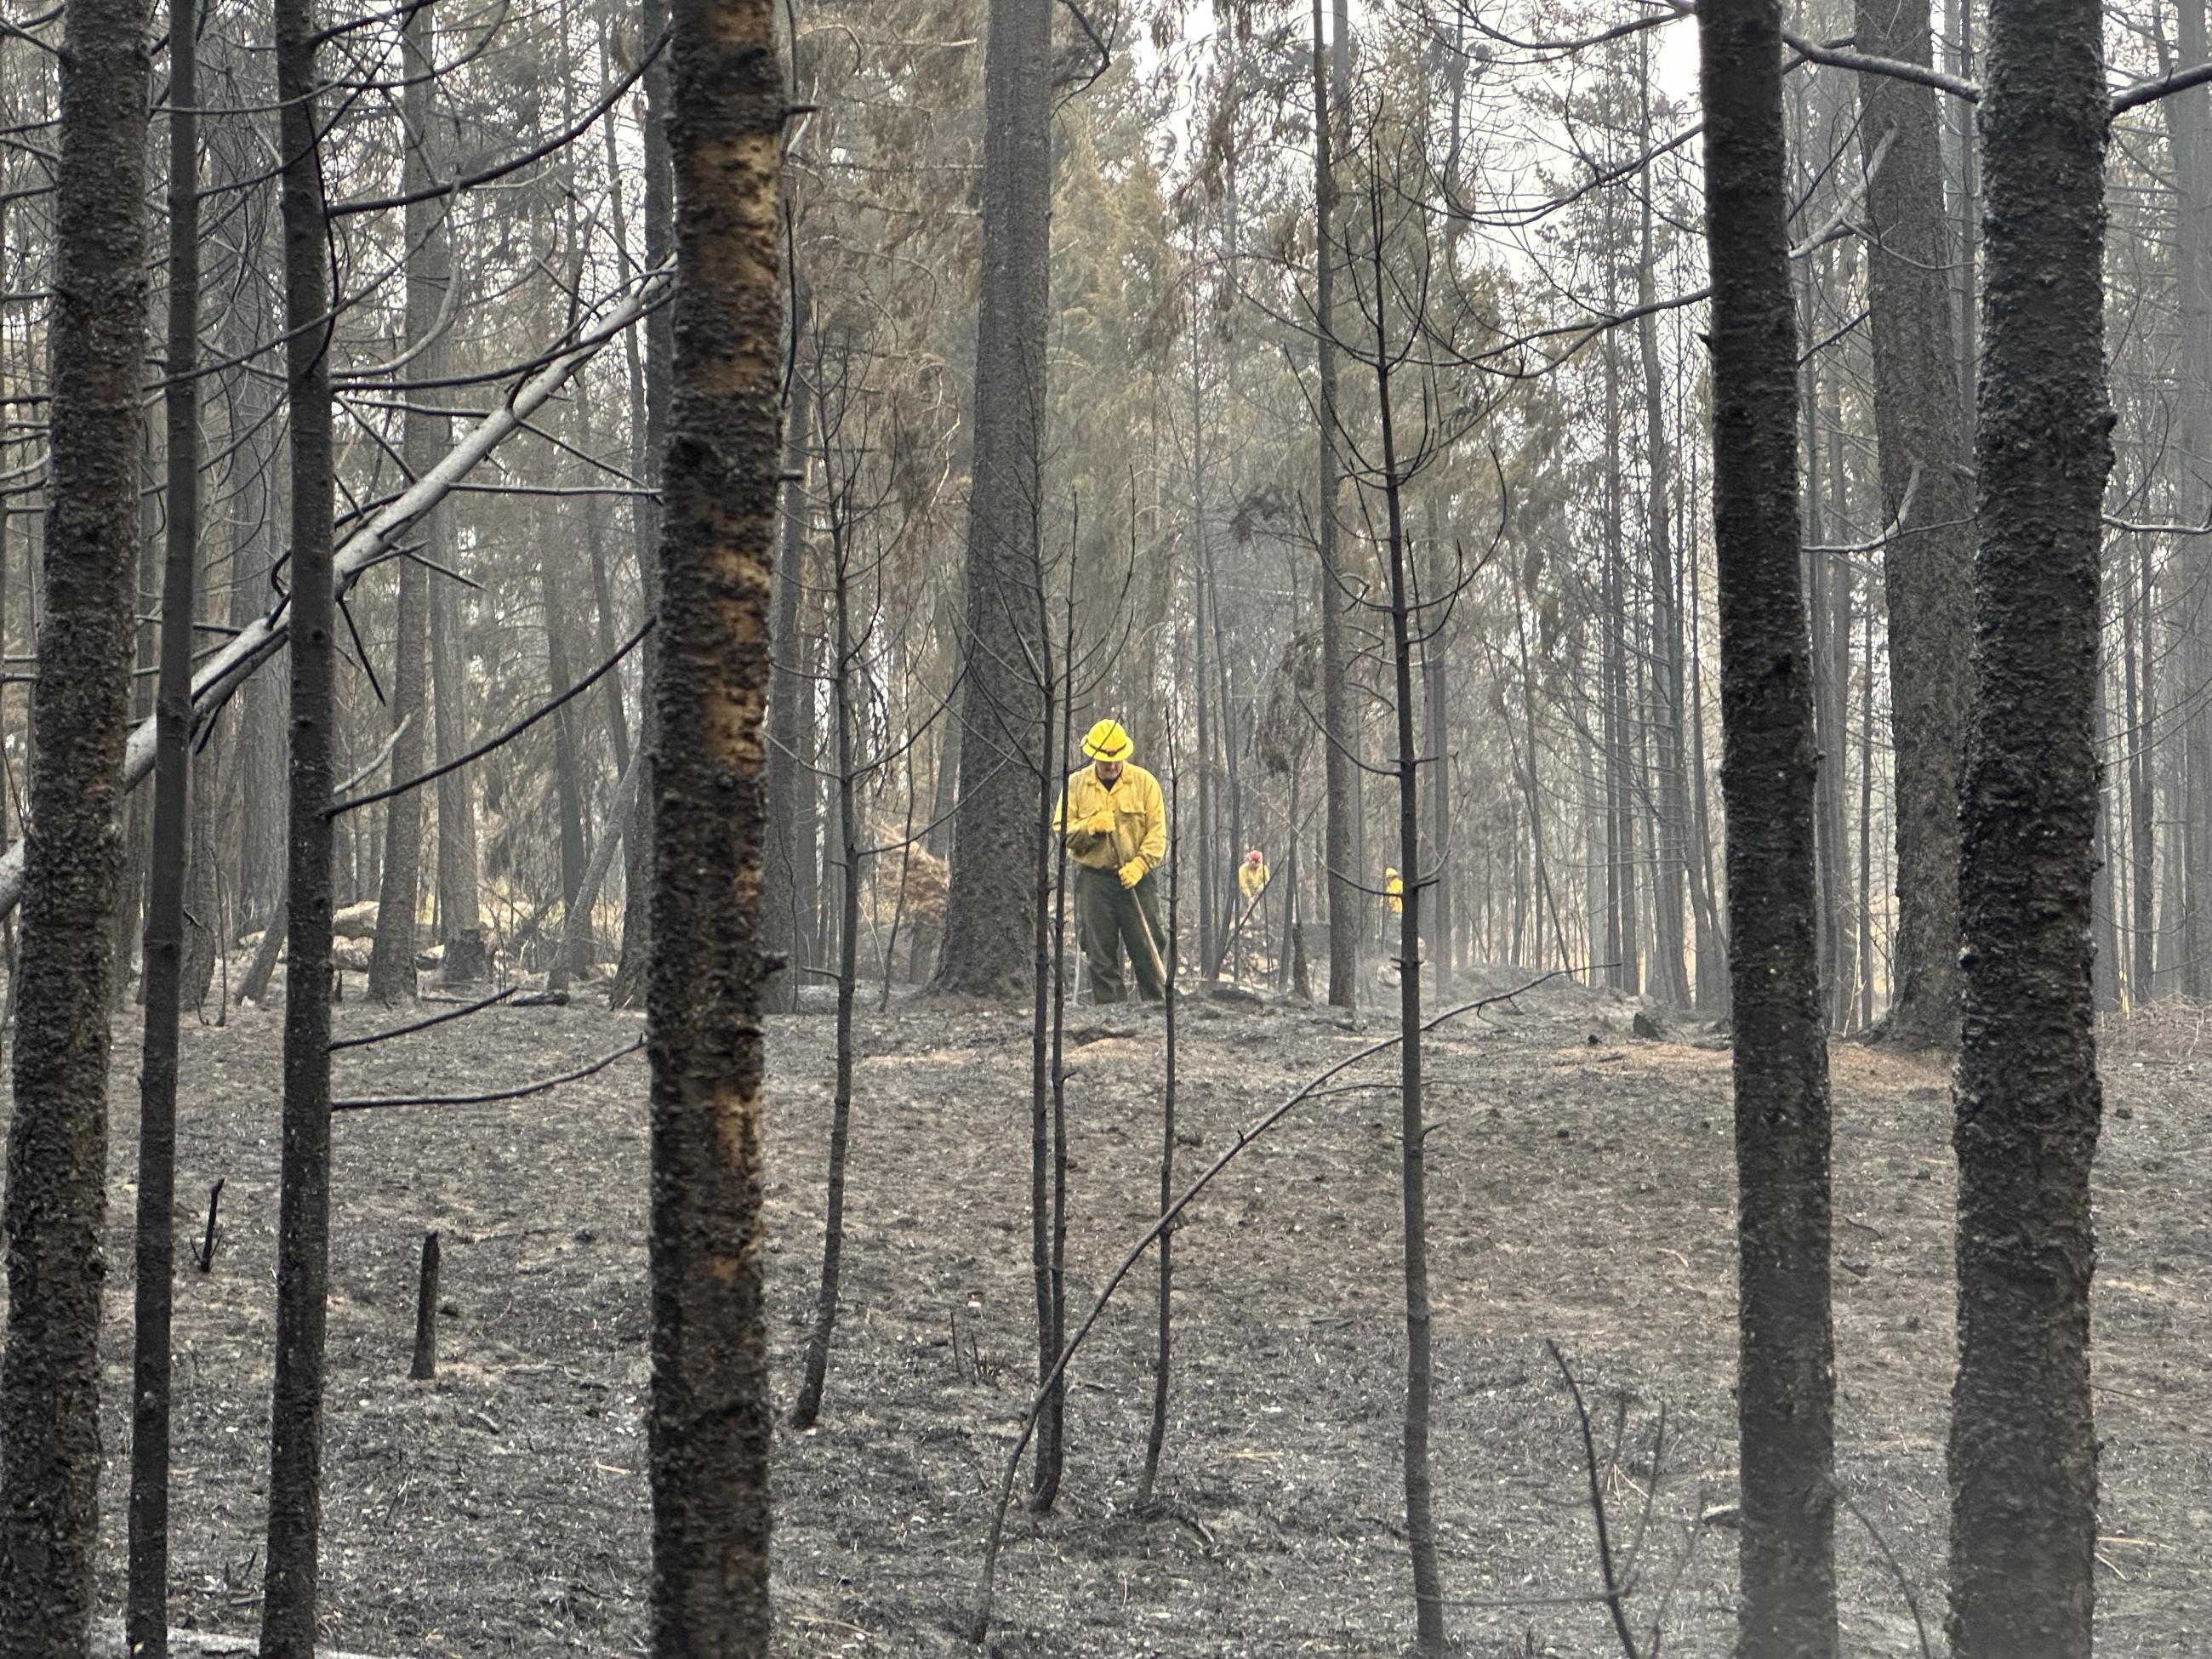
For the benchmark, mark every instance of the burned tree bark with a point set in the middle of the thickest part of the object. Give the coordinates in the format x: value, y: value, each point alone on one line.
x: 988, y: 918
x: 288, y: 1610
x: 146, y: 1614
x: 1786, y: 1371
x: 710, y: 1420
x: 2023, y: 1452
x: 56, y: 1203
x: 1920, y: 431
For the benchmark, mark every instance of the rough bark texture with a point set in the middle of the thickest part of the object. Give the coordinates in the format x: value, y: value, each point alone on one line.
x: 147, y: 1609
x: 422, y: 440
x: 58, y: 1138
x: 710, y: 1419
x: 2023, y: 1456
x: 1920, y: 429
x: 1786, y: 1378
x: 988, y: 918
x: 288, y: 1610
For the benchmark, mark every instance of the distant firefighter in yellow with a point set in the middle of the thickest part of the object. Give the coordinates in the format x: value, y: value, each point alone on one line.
x: 1115, y: 821
x: 1252, y: 876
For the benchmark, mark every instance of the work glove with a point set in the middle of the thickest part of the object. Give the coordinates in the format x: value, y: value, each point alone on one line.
x: 1132, y: 873
x: 1099, y: 823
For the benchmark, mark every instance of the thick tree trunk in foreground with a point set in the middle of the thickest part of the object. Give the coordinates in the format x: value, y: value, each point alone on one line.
x: 423, y: 439
x: 710, y: 1417
x: 2023, y: 1452
x: 288, y: 1609
x: 58, y: 1138
x: 1920, y: 428
x: 146, y: 1614
x: 1786, y: 1378
x: 989, y: 917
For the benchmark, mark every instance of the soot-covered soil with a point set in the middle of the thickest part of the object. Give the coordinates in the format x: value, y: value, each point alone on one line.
x: 1580, y: 1191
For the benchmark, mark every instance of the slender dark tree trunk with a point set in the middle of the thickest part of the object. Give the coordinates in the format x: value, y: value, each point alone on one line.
x: 1786, y: 1375
x: 989, y: 919
x: 711, y: 1418
x: 56, y: 1205
x: 1920, y: 429
x: 2023, y: 1453
x: 1163, y: 1353
x: 843, y: 666
x: 1413, y: 1136
x: 423, y: 437
x: 1346, y: 905
x: 288, y: 1609
x: 146, y: 1614
x: 790, y: 875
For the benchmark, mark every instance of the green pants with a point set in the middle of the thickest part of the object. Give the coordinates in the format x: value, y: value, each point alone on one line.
x: 1110, y: 918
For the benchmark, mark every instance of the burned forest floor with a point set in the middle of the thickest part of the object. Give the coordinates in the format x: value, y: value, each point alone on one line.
x: 1580, y: 1191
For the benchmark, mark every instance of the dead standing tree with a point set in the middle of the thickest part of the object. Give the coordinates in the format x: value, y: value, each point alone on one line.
x: 710, y: 1417
x: 988, y: 919
x: 58, y: 1138
x: 2023, y: 1452
x: 288, y: 1609
x: 1786, y: 1378
x: 834, y: 376
x: 147, y: 1612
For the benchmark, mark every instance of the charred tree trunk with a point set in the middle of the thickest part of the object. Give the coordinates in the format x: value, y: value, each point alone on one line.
x: 391, y: 957
x: 288, y: 1610
x: 146, y: 1614
x: 2023, y: 1453
x: 56, y: 1204
x: 1920, y: 430
x: 710, y: 1418
x: 989, y: 919
x: 843, y: 666
x: 790, y: 875
x: 1413, y: 1136
x: 1786, y: 1368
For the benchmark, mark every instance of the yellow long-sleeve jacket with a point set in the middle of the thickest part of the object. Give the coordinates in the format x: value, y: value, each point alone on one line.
x: 1251, y: 880
x: 1134, y: 806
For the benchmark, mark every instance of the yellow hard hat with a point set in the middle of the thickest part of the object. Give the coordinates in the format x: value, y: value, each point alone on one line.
x: 1106, y: 741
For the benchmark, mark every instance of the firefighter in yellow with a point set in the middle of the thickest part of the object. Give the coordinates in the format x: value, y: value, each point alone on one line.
x: 1116, y: 824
